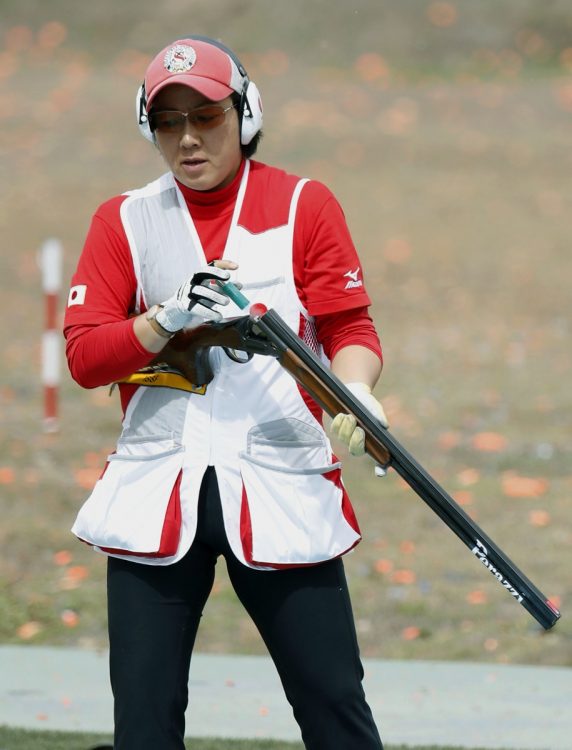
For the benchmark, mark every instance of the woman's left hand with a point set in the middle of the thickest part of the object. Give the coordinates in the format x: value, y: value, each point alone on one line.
x: 345, y: 428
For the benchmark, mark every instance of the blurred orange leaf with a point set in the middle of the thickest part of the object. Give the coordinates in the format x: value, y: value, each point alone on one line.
x: 383, y: 566
x: 476, y: 597
x: 491, y: 644
x: 63, y: 557
x: 73, y: 577
x: 69, y: 618
x: 539, y: 518
x: 7, y: 475
x: 404, y: 576
x: 78, y: 572
x: 410, y: 633
x: 371, y: 67
x: 468, y: 476
x: 463, y: 497
x: 514, y: 485
x: 87, y: 477
x: 92, y: 459
x: 489, y: 442
x: 29, y: 630
x: 407, y: 547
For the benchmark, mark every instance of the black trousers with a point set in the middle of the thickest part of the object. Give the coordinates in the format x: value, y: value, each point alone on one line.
x: 303, y: 614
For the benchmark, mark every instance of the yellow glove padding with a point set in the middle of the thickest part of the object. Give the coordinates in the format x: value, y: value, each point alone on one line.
x: 344, y: 427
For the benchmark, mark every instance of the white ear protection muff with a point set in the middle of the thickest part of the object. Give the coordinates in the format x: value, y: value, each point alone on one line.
x: 141, y: 114
x: 250, y: 113
x: 249, y: 109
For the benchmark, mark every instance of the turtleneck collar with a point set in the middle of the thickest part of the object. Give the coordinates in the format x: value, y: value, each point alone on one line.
x: 205, y: 198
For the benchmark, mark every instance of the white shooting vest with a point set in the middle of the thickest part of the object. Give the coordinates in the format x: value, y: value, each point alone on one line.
x: 282, y: 497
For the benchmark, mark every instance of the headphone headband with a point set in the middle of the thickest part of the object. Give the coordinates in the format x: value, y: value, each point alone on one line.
x: 183, y: 57
x: 224, y: 48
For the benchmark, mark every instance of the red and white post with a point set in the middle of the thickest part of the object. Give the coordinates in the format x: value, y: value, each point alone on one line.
x: 51, y: 266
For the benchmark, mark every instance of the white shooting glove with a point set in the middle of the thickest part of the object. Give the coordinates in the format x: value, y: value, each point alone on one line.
x: 193, y: 302
x: 344, y: 427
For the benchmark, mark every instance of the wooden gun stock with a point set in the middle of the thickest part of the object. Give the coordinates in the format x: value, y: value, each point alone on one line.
x: 264, y: 332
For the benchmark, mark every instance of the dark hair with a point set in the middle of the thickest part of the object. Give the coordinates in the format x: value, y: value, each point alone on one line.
x: 250, y: 149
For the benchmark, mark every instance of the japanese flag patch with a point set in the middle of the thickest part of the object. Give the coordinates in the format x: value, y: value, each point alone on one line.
x: 77, y: 295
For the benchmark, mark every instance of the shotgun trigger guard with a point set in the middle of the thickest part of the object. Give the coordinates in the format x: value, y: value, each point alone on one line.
x: 253, y: 341
x: 238, y: 355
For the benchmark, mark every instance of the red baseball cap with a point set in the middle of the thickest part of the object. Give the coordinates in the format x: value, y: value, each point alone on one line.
x: 197, y: 64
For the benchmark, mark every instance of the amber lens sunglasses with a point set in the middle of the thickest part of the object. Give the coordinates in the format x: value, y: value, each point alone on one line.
x: 202, y: 118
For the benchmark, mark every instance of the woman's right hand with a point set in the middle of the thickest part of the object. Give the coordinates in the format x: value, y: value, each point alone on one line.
x: 194, y: 301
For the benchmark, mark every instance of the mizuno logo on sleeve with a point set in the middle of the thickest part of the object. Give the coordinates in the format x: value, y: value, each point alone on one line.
x: 353, y: 282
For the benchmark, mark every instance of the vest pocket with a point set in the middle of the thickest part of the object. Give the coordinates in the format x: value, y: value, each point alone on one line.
x: 134, y: 508
x: 295, y: 510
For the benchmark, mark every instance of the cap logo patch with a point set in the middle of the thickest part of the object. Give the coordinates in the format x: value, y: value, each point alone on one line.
x: 180, y: 58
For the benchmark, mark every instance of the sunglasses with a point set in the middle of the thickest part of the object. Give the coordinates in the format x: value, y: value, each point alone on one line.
x: 202, y: 118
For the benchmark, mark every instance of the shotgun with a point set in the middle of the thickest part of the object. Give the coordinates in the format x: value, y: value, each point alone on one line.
x: 264, y: 332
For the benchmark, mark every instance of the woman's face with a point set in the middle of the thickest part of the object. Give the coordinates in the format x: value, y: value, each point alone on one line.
x: 199, y: 159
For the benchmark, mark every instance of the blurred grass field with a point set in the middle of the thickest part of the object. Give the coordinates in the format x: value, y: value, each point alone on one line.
x: 444, y: 130
x: 15, y: 739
